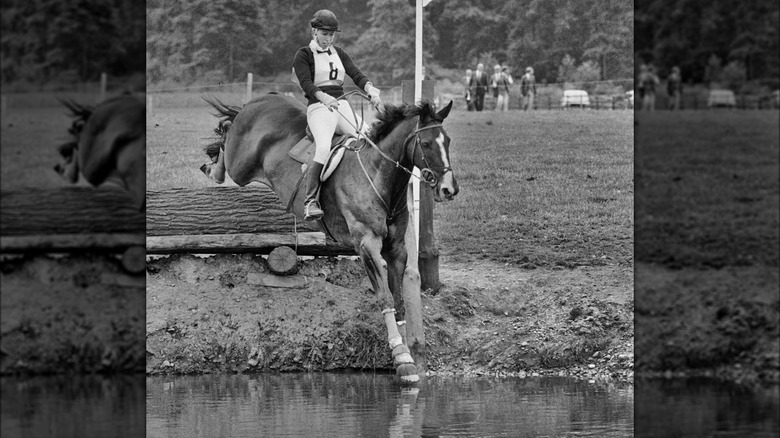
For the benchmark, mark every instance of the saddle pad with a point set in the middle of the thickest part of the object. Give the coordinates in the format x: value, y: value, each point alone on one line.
x: 302, y: 151
x: 334, y: 158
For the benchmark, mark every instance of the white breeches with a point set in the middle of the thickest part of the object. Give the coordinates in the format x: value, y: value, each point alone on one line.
x: 324, y: 123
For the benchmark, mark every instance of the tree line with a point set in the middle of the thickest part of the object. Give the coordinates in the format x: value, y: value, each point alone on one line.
x: 731, y: 42
x: 221, y: 40
x: 211, y: 41
x: 71, y: 41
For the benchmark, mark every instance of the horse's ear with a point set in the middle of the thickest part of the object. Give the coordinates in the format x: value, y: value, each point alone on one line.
x: 444, y: 111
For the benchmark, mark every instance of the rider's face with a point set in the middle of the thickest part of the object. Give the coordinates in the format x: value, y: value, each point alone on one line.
x: 324, y: 37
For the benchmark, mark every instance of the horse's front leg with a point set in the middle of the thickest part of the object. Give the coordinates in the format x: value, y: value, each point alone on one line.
x: 369, y: 246
x: 394, y: 254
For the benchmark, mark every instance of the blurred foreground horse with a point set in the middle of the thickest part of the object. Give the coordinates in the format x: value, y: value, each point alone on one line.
x: 108, y: 145
x: 364, y: 196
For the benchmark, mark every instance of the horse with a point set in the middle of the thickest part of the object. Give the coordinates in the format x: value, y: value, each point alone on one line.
x: 108, y: 145
x: 364, y: 198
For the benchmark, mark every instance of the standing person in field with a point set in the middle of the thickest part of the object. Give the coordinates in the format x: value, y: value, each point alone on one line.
x: 648, y: 81
x: 479, y: 83
x: 500, y: 83
x: 528, y: 89
x: 674, y: 88
x: 320, y: 68
x: 469, y: 93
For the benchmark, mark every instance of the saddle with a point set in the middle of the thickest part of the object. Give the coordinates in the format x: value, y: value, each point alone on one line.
x: 303, y: 151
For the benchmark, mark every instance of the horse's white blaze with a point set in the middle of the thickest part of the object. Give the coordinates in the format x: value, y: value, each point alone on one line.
x: 440, y: 141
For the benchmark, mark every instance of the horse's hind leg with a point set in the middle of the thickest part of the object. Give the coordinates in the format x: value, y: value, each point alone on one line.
x: 216, y: 170
x: 369, y: 246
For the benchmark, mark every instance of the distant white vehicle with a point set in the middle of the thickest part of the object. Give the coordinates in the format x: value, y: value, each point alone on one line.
x: 721, y: 98
x: 575, y: 98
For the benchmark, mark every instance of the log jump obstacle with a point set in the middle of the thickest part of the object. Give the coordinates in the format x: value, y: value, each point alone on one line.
x: 73, y: 220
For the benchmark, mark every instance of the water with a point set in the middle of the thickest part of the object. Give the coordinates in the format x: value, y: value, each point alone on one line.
x: 374, y: 405
x: 681, y: 408
x: 73, y: 406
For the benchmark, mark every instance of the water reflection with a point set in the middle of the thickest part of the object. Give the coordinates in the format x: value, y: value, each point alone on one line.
x: 705, y: 407
x: 73, y: 406
x: 328, y: 404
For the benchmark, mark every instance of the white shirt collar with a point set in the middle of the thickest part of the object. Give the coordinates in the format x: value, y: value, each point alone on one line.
x: 314, y: 47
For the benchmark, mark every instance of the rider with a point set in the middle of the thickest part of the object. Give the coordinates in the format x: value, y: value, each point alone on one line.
x: 320, y: 69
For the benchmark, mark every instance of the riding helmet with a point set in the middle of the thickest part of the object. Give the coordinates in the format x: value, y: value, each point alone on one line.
x: 325, y: 20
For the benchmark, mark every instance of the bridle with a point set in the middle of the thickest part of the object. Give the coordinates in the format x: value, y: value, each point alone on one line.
x: 427, y: 175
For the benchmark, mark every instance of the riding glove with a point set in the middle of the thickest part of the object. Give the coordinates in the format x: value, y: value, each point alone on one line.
x: 373, y: 93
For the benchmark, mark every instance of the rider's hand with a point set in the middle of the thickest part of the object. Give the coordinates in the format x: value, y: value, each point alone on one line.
x: 329, y: 101
x: 373, y: 93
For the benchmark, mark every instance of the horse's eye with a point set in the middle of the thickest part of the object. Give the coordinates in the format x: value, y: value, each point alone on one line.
x: 426, y: 145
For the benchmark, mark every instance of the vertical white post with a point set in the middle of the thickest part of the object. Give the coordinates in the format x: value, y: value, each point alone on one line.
x: 103, y: 80
x: 418, y: 57
x: 248, y: 87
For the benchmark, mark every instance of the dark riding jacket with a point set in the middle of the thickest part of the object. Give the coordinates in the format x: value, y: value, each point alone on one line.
x: 303, y: 64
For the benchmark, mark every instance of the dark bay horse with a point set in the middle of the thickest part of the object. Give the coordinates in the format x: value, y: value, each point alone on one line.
x: 108, y: 144
x: 364, y: 198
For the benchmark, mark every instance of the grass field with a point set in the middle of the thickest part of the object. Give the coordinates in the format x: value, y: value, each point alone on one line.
x: 707, y: 188
x: 544, y: 188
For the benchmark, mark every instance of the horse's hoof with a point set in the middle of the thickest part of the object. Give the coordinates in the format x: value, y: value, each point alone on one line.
x: 206, y: 169
x: 408, y: 373
x: 402, y: 355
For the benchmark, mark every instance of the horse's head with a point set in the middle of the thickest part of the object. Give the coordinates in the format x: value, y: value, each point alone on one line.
x: 69, y: 151
x: 431, y: 152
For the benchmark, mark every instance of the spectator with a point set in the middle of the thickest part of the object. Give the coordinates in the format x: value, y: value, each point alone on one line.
x: 648, y: 82
x: 479, y: 83
x: 674, y: 88
x: 467, y: 83
x: 528, y: 89
x: 500, y: 83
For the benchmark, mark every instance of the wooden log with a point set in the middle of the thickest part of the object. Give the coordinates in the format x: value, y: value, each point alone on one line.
x: 219, y: 210
x: 134, y: 259
x: 309, y: 243
x: 283, y: 261
x: 95, y: 242
x: 69, y: 210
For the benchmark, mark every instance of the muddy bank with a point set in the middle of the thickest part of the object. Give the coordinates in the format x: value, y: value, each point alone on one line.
x: 228, y: 313
x: 708, y: 322
x: 78, y: 313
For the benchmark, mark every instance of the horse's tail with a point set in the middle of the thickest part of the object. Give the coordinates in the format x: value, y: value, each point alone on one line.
x: 227, y: 114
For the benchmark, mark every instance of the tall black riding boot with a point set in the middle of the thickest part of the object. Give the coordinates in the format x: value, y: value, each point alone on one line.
x: 311, y: 209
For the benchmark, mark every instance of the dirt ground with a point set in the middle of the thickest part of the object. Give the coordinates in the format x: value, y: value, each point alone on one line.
x: 79, y: 314
x: 708, y: 322
x: 227, y: 313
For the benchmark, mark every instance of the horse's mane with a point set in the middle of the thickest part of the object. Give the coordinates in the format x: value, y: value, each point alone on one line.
x: 392, y: 115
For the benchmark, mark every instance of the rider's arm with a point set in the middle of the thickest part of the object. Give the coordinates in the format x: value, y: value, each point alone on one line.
x: 351, y: 69
x: 302, y: 63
